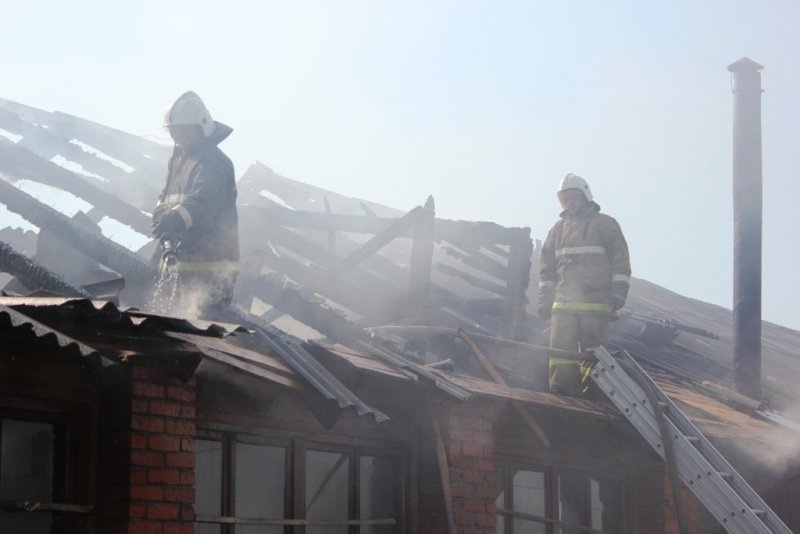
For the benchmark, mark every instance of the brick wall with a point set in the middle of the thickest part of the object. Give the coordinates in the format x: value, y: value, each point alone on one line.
x: 163, y: 429
x: 148, y: 487
x: 656, y: 507
x: 469, y: 443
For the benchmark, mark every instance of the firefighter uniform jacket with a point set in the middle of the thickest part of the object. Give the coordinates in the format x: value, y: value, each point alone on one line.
x: 584, y: 266
x: 201, y: 188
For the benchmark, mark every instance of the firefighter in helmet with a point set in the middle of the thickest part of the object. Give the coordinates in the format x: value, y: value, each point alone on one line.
x: 584, y: 277
x: 195, y: 218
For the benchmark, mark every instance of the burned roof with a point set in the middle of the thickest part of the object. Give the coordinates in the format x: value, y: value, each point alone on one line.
x: 342, y: 273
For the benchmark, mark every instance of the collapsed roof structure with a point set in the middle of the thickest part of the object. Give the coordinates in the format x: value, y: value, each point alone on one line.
x: 367, y: 315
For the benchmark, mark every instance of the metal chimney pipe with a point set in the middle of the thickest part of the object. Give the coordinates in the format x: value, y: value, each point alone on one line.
x: 747, y: 219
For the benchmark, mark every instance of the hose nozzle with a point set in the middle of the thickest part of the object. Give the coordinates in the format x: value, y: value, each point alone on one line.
x: 169, y: 254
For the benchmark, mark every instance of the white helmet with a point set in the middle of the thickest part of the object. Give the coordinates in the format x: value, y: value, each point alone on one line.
x: 573, y: 181
x: 189, y: 110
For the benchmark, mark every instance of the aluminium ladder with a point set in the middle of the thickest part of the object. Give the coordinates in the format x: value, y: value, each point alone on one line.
x: 737, y: 507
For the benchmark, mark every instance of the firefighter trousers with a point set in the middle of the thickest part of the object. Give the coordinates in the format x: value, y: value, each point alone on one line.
x: 574, y: 332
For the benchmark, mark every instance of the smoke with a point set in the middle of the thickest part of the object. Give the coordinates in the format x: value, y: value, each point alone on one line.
x: 192, y: 302
x: 785, y: 446
x: 776, y: 450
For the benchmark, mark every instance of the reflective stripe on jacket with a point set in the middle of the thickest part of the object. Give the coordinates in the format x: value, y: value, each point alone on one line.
x: 584, y: 263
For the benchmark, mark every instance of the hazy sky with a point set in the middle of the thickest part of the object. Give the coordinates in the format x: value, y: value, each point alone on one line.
x: 483, y: 104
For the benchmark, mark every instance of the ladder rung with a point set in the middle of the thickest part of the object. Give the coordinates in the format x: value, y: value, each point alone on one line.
x: 737, y: 506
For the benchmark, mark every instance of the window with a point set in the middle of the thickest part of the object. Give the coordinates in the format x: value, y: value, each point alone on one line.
x: 534, y: 500
x: 247, y: 484
x: 522, y: 500
x: 39, y: 463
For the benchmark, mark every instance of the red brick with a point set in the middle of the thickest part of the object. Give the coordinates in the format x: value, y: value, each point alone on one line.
x: 164, y: 476
x: 180, y: 459
x: 147, y: 423
x: 475, y: 423
x: 471, y: 463
x: 141, y: 372
x: 471, y: 450
x: 460, y: 435
x: 138, y: 441
x: 179, y: 495
x: 161, y: 374
x: 463, y: 491
x: 454, y: 449
x: 178, y: 528
x: 136, y: 510
x: 147, y: 493
x: 181, y: 393
x: 473, y: 505
x: 162, y: 511
x: 138, y: 476
x: 168, y: 409
x: 147, y: 458
x: 484, y: 440
x: 187, y: 445
x: 180, y: 428
x: 464, y: 519
x: 144, y: 527
x: 485, y: 491
x: 144, y: 389
x: 471, y: 477
x: 189, y: 412
x: 140, y: 406
x: 164, y: 443
x: 187, y: 478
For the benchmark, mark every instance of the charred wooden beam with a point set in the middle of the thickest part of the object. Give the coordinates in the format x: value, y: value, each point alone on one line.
x: 534, y: 350
x: 444, y: 473
x: 48, y: 135
x: 519, y: 272
x: 332, y: 231
x: 35, y: 277
x: 22, y: 164
x: 422, y: 257
x: 318, y: 280
x: 378, y: 241
x: 486, y: 233
x: 97, y: 247
x: 293, y: 302
x: 482, y: 283
x: 479, y: 263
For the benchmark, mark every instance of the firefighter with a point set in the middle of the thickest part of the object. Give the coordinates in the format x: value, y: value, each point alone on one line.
x: 584, y: 277
x: 195, y: 218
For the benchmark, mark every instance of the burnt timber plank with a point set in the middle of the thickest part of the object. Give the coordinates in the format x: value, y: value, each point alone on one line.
x: 25, y: 165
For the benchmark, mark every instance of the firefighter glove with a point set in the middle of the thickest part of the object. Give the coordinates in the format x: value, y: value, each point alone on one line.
x: 617, y: 302
x: 171, y: 224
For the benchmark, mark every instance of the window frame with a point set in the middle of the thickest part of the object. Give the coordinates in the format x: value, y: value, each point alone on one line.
x: 72, y: 504
x: 553, y: 473
x: 296, y: 449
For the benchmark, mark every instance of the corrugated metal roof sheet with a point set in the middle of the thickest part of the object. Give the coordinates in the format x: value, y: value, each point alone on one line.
x: 21, y: 321
x: 106, y: 313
